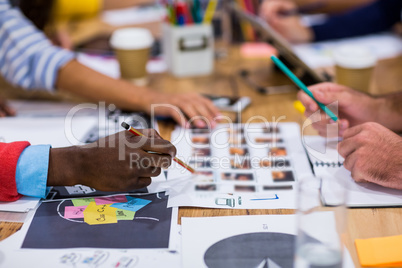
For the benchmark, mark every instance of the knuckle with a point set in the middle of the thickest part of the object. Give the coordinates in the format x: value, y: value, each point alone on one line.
x: 173, y: 150
x: 359, y: 165
x: 157, y: 172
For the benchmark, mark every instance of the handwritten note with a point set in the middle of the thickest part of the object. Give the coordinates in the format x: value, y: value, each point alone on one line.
x: 79, y: 202
x: 125, y: 215
x: 102, y: 214
x: 132, y: 204
x: 110, y: 200
x: 71, y: 212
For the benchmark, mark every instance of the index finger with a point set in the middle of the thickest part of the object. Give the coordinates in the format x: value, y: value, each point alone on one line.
x: 353, y: 131
x: 160, y: 146
x: 307, y: 102
x: 150, y: 132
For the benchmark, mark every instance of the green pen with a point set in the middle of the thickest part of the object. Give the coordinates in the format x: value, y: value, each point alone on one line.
x: 302, y: 86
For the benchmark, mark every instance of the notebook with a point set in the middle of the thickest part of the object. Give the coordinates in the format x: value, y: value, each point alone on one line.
x: 328, y: 165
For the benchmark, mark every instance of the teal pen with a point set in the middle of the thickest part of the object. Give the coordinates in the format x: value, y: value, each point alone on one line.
x: 302, y: 86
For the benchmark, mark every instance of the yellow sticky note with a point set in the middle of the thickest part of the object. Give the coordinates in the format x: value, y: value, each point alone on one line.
x: 102, y: 214
x: 381, y: 251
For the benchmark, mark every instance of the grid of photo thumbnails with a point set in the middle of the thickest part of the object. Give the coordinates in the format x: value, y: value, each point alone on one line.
x: 248, y: 169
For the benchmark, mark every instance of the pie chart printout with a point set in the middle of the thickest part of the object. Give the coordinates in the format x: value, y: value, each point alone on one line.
x: 263, y: 250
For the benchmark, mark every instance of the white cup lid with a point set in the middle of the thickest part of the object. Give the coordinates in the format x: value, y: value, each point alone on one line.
x: 354, y: 57
x: 131, y: 38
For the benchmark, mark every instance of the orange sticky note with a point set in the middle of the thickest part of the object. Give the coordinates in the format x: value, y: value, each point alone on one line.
x: 380, y: 252
x: 102, y: 214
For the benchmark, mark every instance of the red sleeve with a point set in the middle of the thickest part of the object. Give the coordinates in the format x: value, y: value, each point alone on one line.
x: 9, y: 154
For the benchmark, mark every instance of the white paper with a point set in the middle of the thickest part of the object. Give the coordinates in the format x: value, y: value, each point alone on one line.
x: 35, y: 108
x: 24, y: 204
x: 199, y: 234
x: 56, y: 131
x: 319, y: 54
x: 251, y: 187
x: 362, y: 194
x: 328, y: 167
x: 322, y: 150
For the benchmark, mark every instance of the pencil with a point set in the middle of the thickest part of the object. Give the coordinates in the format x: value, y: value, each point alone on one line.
x: 137, y: 133
x: 302, y: 86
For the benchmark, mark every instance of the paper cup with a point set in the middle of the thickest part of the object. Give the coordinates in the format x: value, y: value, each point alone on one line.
x: 354, y: 66
x: 132, y: 47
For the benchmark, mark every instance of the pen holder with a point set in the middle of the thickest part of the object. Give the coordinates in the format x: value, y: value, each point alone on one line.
x: 188, y: 49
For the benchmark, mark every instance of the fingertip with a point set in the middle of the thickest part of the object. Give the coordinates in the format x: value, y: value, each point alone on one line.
x: 200, y: 123
x: 344, y: 124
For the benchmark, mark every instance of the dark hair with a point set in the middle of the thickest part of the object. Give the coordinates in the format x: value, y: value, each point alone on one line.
x: 38, y: 11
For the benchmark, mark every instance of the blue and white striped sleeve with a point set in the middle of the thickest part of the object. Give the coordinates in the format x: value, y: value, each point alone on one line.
x: 27, y: 57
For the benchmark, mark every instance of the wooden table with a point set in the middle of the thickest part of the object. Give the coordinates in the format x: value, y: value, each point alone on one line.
x: 362, y: 223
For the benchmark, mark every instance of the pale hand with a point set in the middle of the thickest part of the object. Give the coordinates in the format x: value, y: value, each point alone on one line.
x: 184, y: 108
x: 352, y: 107
x: 289, y: 26
x: 373, y: 153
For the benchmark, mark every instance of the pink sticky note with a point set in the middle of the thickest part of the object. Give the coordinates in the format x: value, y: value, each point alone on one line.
x: 110, y: 200
x: 74, y: 212
x: 257, y: 50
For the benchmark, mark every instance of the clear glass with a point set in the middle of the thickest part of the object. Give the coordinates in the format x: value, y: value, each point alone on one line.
x: 318, y: 241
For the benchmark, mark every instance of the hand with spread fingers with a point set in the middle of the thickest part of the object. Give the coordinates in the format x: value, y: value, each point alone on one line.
x: 289, y: 26
x: 185, y: 109
x: 373, y: 153
x: 119, y: 162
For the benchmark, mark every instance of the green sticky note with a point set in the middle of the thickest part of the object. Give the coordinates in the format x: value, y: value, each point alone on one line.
x: 125, y: 215
x: 82, y: 201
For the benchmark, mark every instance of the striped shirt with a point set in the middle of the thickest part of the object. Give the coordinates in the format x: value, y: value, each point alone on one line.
x: 27, y: 57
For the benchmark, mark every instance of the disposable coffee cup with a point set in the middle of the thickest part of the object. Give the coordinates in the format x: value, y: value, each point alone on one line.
x: 354, y: 66
x: 132, y: 47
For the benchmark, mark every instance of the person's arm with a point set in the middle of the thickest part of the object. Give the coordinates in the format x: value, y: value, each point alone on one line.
x: 30, y: 61
x: 120, y: 162
x: 9, y: 155
x: 27, y: 57
x: 372, y: 18
x: 331, y: 6
x: 390, y: 113
x: 83, y: 81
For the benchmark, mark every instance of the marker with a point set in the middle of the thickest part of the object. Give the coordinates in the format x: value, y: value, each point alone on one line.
x: 196, y: 10
x: 302, y: 86
x: 180, y: 13
x: 209, y: 13
x: 137, y: 133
